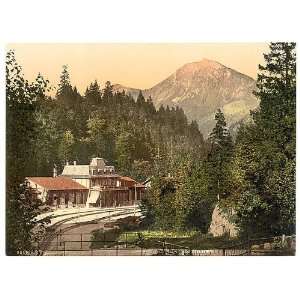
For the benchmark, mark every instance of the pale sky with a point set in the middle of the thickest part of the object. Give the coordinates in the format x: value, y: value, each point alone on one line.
x: 133, y: 65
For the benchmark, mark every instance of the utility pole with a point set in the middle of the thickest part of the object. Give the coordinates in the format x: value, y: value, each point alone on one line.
x: 218, y: 194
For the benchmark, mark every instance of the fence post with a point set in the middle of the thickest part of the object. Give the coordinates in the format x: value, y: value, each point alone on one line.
x: 126, y: 240
x: 249, y: 247
x: 117, y: 248
x: 283, y: 240
x: 57, y: 242
x: 81, y: 241
x: 224, y: 252
x: 64, y: 248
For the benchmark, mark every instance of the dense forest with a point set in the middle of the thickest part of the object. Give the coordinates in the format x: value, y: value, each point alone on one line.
x: 252, y: 175
x: 127, y: 133
x: 251, y: 179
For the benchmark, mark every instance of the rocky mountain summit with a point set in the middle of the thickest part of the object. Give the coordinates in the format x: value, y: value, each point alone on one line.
x: 200, y: 88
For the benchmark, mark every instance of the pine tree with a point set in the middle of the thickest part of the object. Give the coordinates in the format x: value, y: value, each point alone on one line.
x: 150, y: 107
x: 125, y: 148
x: 140, y: 99
x: 108, y: 91
x: 265, y: 160
x: 65, y: 93
x: 66, y: 147
x: 220, y: 156
x: 64, y: 84
x: 93, y: 94
x: 276, y: 89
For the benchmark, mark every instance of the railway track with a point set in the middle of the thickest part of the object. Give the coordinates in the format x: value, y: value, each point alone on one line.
x: 43, y: 246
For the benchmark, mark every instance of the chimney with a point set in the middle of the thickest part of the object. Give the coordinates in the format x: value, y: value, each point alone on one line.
x: 54, y: 171
x: 74, y: 162
x: 67, y: 163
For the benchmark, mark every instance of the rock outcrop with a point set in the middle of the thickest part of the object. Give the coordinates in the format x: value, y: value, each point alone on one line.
x: 220, y: 224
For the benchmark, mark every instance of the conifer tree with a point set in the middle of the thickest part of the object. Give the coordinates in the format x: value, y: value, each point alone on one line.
x: 276, y: 89
x: 140, y: 99
x: 64, y: 84
x: 125, y: 148
x: 220, y: 156
x: 108, y: 91
x: 66, y: 147
x: 264, y: 164
x: 93, y: 94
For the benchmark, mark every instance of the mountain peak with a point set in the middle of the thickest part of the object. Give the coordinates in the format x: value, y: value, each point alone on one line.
x: 210, y: 63
x: 198, y: 70
x: 202, y: 87
x: 204, y: 64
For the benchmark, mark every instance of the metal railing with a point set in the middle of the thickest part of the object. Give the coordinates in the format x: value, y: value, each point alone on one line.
x: 82, y: 244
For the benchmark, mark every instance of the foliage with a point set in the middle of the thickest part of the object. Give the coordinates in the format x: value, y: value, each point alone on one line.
x: 22, y: 127
x: 24, y: 231
x: 263, y: 170
x: 219, y: 158
x: 109, y: 124
x: 180, y: 200
x: 66, y: 146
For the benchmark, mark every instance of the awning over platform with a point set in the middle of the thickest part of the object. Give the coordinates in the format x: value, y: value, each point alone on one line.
x: 93, y: 197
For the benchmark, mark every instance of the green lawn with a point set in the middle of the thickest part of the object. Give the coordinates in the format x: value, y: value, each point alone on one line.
x: 156, y: 238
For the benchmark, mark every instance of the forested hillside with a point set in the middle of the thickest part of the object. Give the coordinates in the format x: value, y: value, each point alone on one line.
x: 112, y: 125
x: 252, y: 179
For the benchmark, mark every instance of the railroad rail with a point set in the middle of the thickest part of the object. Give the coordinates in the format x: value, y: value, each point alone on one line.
x: 52, y: 229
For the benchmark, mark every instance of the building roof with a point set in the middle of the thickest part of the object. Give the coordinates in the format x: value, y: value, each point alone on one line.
x: 139, y: 185
x: 126, y: 178
x: 82, y: 171
x: 106, y: 176
x: 132, y: 182
x: 57, y: 183
x: 98, y: 162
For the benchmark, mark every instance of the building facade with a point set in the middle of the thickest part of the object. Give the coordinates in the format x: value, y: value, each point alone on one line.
x: 93, y: 185
x: 106, y: 187
x: 59, y: 192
